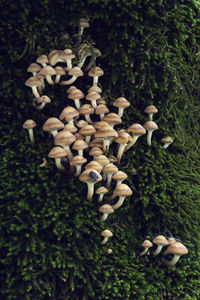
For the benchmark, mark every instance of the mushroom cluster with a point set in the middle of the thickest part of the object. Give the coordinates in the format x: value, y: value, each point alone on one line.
x: 86, y: 133
x: 170, y: 249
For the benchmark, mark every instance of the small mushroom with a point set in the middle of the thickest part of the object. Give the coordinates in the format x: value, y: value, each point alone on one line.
x: 52, y: 125
x: 90, y: 177
x: 86, y: 110
x: 121, y: 103
x: 87, y: 131
x: 106, y: 209
x: 167, y: 140
x: 122, y: 190
x: 146, y: 244
x: 106, y: 234
x: 64, y: 139
x: 34, y: 82
x: 151, y: 110
x: 56, y: 153
x: 135, y: 130
x: 77, y: 161
x: 150, y: 126
x: 109, y: 170
x: 160, y: 241
x: 75, y: 72
x: 43, y: 60
x: 30, y: 124
x: 177, y: 249
x: 101, y: 191
x: 76, y: 95
x: 95, y: 72
x: 107, y: 133
x: 43, y: 100
x: 48, y: 71
x: 60, y: 71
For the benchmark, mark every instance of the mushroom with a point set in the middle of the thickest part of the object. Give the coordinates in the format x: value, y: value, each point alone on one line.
x: 43, y: 100
x: 80, y: 145
x: 48, y: 71
x: 136, y: 130
x: 170, y: 242
x: 106, y: 209
x: 121, y: 103
x: 101, y: 191
x: 95, y: 151
x: 67, y: 55
x: 150, y: 126
x: 83, y: 23
x: 75, y: 72
x: 90, y: 177
x: 106, y: 234
x: 92, y: 97
x: 59, y: 72
x: 160, y: 241
x: 87, y: 131
x: 101, y: 110
x: 119, y: 176
x: 53, y: 125
x: 77, y: 161
x: 94, y: 165
x: 102, y: 160
x: 167, y: 140
x: 109, y: 170
x: 95, y: 72
x: 65, y: 138
x: 34, y: 82
x: 30, y: 124
x: 112, y: 119
x: 122, y: 141
x: 107, y: 133
x: 68, y: 114
x: 70, y: 127
x: 56, y: 153
x: 34, y: 68
x: 122, y: 190
x: 178, y: 249
x: 43, y: 60
x: 87, y: 110
x: 146, y: 244
x: 76, y: 95
x: 95, y: 88
x: 151, y: 110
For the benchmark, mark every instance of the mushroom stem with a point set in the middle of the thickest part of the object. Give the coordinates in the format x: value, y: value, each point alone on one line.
x: 70, y: 81
x: 100, y: 197
x: 149, y: 136
x: 109, y: 179
x: 120, y: 152
x: 57, y: 78
x: 58, y: 164
x: 77, y: 103
x: 95, y: 80
x: 106, y: 144
x: 104, y: 240
x: 78, y: 171
x: 31, y: 135
x: 104, y: 217
x: 144, y: 251
x: 90, y: 190
x: 54, y: 132
x: 120, y: 111
x: 88, y: 119
x: 35, y: 92
x: 173, y: 261
x: 158, y: 250
x: 129, y: 145
x: 119, y: 202
x: 68, y: 150
x: 49, y: 80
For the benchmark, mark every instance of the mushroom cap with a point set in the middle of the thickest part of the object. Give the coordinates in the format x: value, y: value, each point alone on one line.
x: 60, y: 70
x: 121, y: 102
x: 66, y: 54
x: 64, y: 137
x: 85, y: 176
x: 75, y: 71
x: 122, y: 190
x: 120, y: 175
x: 110, y: 169
x: 106, y: 233
x: 123, y: 138
x: 94, y: 165
x: 102, y: 160
x: 32, y: 81
x: 68, y: 113
x: 79, y: 145
x: 167, y: 139
x: 95, y: 71
x: 57, y: 152
x: 101, y: 101
x: 77, y: 160
x: 99, y: 124
x: 160, y: 240
x: 95, y: 151
x: 83, y: 22
x: 150, y: 125
x: 106, y: 131
x: 42, y: 59
x: 106, y: 208
x: 92, y: 96
x: 94, y: 88
x: 76, y: 94
x: 136, y: 129
x: 29, y: 124
x: 44, y: 99
x: 87, y: 130
x: 171, y: 240
x: 71, y: 88
x: 147, y: 244
x: 71, y: 128
x: 34, y: 67
x: 96, y: 142
x: 86, y: 109
x: 151, y: 109
x: 101, y: 190
x: 101, y: 109
x: 48, y: 71
x: 52, y: 124
x: 81, y: 123
x: 112, y: 118
x: 177, y: 248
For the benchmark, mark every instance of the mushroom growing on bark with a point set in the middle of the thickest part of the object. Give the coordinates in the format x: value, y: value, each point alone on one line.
x: 106, y: 234
x: 146, y: 244
x: 77, y: 161
x: 121, y: 103
x: 122, y: 190
x: 167, y: 140
x: 52, y: 125
x: 34, y: 82
x: 57, y: 152
x: 101, y: 192
x: 75, y: 72
x: 107, y: 133
x: 106, y: 209
x: 48, y: 71
x: 90, y: 177
x: 151, y: 110
x: 95, y: 72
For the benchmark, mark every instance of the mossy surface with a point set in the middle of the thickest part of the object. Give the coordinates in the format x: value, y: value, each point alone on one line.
x: 50, y: 234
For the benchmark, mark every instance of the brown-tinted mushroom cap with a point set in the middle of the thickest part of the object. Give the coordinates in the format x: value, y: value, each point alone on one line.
x: 112, y: 119
x: 86, y: 109
x: 151, y: 109
x: 106, y: 208
x: 121, y: 102
x: 122, y: 190
x: 160, y: 240
x: 64, y: 138
x: 76, y: 94
x: 167, y: 139
x: 87, y: 130
x: 95, y: 151
x: 85, y: 176
x: 75, y: 71
x: 42, y: 59
x: 119, y: 175
x: 101, y: 190
x: 68, y: 113
x: 79, y: 145
x: 29, y: 124
x: 81, y: 123
x: 102, y: 160
x: 34, y: 67
x: 83, y: 22
x: 57, y: 152
x: 136, y: 129
x: 101, y: 109
x: 33, y: 81
x: 110, y: 169
x: 177, y: 248
x: 94, y: 165
x: 95, y: 71
x: 44, y: 99
x: 71, y: 128
x: 92, y: 96
x: 106, y: 131
x: 60, y: 70
x: 150, y: 125
x: 77, y: 160
x: 147, y: 243
x: 52, y: 124
x: 106, y: 233
x: 94, y: 88
x: 48, y: 71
